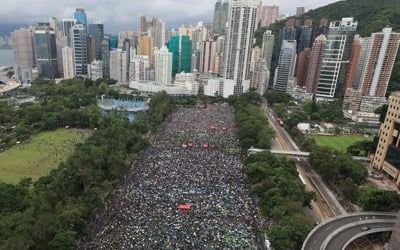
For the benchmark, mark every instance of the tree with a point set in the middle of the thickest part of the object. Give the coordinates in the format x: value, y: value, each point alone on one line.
x: 349, y: 189
x: 374, y: 199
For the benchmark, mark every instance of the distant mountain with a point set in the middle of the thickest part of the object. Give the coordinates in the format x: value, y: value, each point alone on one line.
x: 6, y: 29
x: 372, y: 16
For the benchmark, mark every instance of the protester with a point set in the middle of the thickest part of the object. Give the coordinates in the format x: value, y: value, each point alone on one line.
x: 182, y: 194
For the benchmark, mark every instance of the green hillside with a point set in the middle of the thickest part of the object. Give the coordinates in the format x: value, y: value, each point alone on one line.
x: 372, y: 16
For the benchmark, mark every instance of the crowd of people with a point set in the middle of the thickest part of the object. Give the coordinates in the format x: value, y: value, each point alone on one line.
x: 186, y: 191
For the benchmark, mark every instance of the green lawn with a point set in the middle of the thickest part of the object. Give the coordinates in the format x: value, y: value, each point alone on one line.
x: 39, y: 155
x: 339, y: 142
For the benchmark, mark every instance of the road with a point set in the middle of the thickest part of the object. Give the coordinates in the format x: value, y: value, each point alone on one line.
x: 326, y: 202
x: 336, y: 233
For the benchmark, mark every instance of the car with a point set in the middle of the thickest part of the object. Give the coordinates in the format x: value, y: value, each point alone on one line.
x: 365, y: 228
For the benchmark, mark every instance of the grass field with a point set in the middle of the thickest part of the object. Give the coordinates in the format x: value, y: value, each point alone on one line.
x: 340, y: 142
x: 39, y: 155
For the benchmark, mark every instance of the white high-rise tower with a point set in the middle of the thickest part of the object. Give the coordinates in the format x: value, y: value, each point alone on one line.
x: 163, y: 65
x: 242, y: 23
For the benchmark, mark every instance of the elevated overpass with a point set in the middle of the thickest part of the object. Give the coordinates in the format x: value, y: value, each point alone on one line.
x: 295, y: 154
x: 338, y: 232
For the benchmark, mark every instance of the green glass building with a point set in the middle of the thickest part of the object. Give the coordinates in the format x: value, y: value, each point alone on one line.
x: 181, y: 49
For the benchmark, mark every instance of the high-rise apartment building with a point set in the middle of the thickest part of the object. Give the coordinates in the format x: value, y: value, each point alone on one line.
x: 387, y: 155
x: 207, y: 56
x: 242, y: 23
x: 267, y: 47
x: 157, y: 32
x: 145, y: 47
x: 138, y: 68
x: 118, y: 68
x: 22, y: 44
x: 381, y: 54
x: 79, y: 45
x: 260, y: 76
x: 68, y: 63
x: 143, y: 24
x: 181, y: 49
x: 163, y: 66
x: 105, y: 55
x: 46, y: 52
x: 269, y: 15
x: 303, y: 62
x: 356, y: 63
x: 315, y: 63
x: 80, y: 16
x: 336, y: 57
x: 286, y: 65
x: 300, y: 11
x: 97, y: 31
x: 220, y: 16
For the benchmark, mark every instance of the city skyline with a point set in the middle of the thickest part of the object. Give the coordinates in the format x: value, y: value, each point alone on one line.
x: 128, y: 12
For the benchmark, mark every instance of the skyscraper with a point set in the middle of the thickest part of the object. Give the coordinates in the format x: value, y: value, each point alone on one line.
x: 157, y: 32
x: 91, y: 48
x: 303, y: 61
x: 267, y: 47
x: 105, y: 55
x: 336, y: 56
x: 315, y: 63
x: 387, y: 155
x: 288, y: 32
x: 54, y: 25
x: 300, y: 11
x: 181, y: 49
x: 286, y: 65
x: 23, y: 47
x: 95, y: 70
x: 220, y: 16
x: 269, y: 15
x: 138, y: 68
x: 163, y: 66
x: 67, y: 25
x: 68, y: 63
x: 207, y: 56
x: 80, y: 16
x: 357, y: 63
x: 381, y: 55
x: 142, y: 24
x: 97, y: 31
x: 242, y: 23
x: 304, y: 37
x: 145, y: 47
x: 79, y: 44
x: 46, y: 52
x: 118, y: 68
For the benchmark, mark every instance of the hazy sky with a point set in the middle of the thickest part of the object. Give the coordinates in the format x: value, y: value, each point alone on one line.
x: 124, y: 14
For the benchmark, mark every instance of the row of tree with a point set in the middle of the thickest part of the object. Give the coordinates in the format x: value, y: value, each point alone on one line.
x: 56, y: 210
x: 274, y: 181
x: 253, y: 128
x: 282, y: 198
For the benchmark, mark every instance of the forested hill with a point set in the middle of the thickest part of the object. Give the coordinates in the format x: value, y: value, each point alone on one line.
x: 372, y: 16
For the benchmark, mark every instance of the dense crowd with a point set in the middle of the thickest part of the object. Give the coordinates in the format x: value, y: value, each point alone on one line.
x: 187, y: 191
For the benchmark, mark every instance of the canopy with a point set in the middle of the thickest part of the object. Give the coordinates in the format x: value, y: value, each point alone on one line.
x: 184, y: 207
x: 205, y: 145
x: 190, y: 144
x: 224, y: 128
x: 213, y: 128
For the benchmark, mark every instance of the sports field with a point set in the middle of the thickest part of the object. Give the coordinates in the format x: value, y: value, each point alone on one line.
x: 340, y: 143
x: 39, y: 155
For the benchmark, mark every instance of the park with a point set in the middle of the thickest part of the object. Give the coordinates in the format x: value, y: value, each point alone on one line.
x: 41, y: 153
